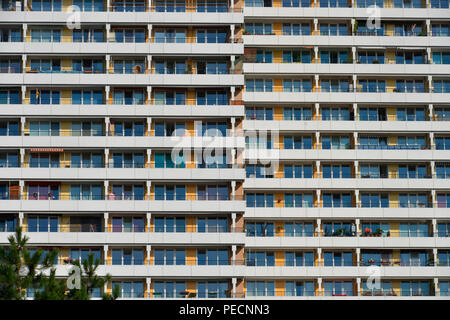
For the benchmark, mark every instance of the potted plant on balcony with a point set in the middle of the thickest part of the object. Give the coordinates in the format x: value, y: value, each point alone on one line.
x: 245, y: 32
x: 189, y: 68
x: 375, y: 61
x: 378, y: 232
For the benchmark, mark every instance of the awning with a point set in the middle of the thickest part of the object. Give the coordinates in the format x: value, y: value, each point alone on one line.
x: 46, y: 150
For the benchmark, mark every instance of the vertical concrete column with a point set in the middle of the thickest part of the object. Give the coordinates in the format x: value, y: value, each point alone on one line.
x: 24, y: 92
x: 358, y: 256
x: 148, y: 282
x: 319, y: 222
x: 107, y: 133
x: 431, y: 138
x: 21, y: 187
x: 107, y: 95
x: 106, y: 186
x: 232, y: 33
x: 354, y: 54
x: 430, y: 84
x: 431, y: 112
x: 319, y: 257
x: 148, y: 215
x: 355, y: 111
x: 23, y: 120
x: 106, y: 217
x: 108, y: 31
x: 24, y: 63
x: 149, y: 95
x: 22, y: 157
x: 21, y: 220
x: 107, y: 165
x: 316, y: 54
x: 355, y: 139
x: 107, y: 60
x: 233, y: 249
x: 233, y: 281
x: 318, y: 140
x: 358, y: 286
x: 149, y: 187
x: 105, y: 254
x: 318, y: 200
x: 149, y: 157
x: 24, y: 28
x: 233, y: 222
x: 436, y: 287
x: 319, y: 283
x: 149, y: 250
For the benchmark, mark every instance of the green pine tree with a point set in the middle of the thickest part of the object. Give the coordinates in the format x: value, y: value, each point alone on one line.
x: 19, y: 270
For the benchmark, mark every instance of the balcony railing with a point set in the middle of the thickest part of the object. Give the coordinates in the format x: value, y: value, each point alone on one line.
x: 134, y: 229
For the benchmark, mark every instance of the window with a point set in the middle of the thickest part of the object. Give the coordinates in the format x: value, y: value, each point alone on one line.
x: 442, y: 143
x: 45, y: 35
x: 258, y: 142
x: 213, y: 192
x: 171, y: 98
x: 86, y: 192
x: 334, y: 56
x: 260, y: 288
x: 413, y: 200
x: 384, y: 289
x: 439, y: 4
x: 43, y: 191
x: 264, y: 56
x: 212, y: 257
x: 407, y: 4
x: 415, y: 288
x: 336, y: 113
x: 128, y: 160
x: 440, y: 114
x: 336, y: 85
x: 259, y: 200
x: 128, y: 97
x: 45, y: 65
x: 414, y: 258
x: 441, y: 57
x: 10, y: 35
x: 372, y: 85
x: 298, y: 229
x: 127, y: 224
x: 443, y: 258
x: 371, y: 57
x: 410, y: 114
x: 296, y: 3
x: 169, y: 289
x: 440, y: 30
x: 335, y: 142
x: 213, y: 289
x: 443, y: 229
x: 164, y: 160
x: 443, y: 170
x: 413, y: 229
x: 44, y: 128
x: 441, y: 86
x: 86, y: 160
x: 207, y: 67
x: 298, y: 200
x: 42, y: 223
x: 258, y: 28
x: 368, y: 228
x: 337, y: 200
x: 83, y: 254
x: 46, y: 5
x: 10, y: 96
x: 412, y: 86
x: 170, y: 224
x: 338, y: 288
x: 130, y: 289
x: 89, y: 5
x: 337, y: 259
x: 333, y: 29
x: 258, y: 171
x: 297, y: 113
x: 212, y: 98
x: 127, y: 192
x: 336, y: 171
x: 174, y: 67
x: 128, y: 129
x: 296, y: 29
x: 444, y: 288
x: 87, y: 96
x: 129, y: 66
x: 298, y: 171
x: 259, y: 85
x: 299, y: 259
x: 409, y: 57
x: 169, y: 257
x: 9, y: 159
x: 8, y: 223
x: 170, y: 192
x: 86, y: 128
x: 255, y: 113
x: 128, y: 5
x: 259, y: 229
x: 334, y: 4
x: 412, y: 171
x: 212, y: 224
x: 170, y: 6
x: 297, y: 142
x: 87, y: 35
x: 297, y: 85
x: 260, y: 259
x: 45, y: 97
x: 299, y: 288
x: 127, y: 256
x: 129, y: 35
x: 211, y: 36
x: 44, y: 160
x: 374, y: 200
x: 374, y: 171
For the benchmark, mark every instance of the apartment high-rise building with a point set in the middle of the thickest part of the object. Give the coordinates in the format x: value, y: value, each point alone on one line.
x: 222, y: 149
